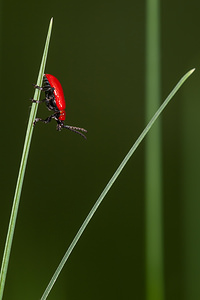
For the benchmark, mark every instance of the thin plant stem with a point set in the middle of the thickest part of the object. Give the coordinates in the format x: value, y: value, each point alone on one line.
x: 153, y: 162
x: 109, y: 185
x: 22, y: 168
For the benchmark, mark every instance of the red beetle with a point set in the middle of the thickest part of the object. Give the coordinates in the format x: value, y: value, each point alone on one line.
x: 55, y: 101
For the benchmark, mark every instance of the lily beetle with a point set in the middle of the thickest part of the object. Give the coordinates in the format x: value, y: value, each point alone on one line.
x: 55, y: 101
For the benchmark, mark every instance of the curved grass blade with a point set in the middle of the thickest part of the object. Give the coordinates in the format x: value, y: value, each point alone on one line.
x: 22, y: 168
x: 110, y: 183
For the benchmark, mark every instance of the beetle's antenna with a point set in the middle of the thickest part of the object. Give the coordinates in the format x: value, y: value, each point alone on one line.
x: 75, y: 129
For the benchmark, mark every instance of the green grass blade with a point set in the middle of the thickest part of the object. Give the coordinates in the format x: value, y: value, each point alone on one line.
x: 110, y: 183
x: 22, y: 168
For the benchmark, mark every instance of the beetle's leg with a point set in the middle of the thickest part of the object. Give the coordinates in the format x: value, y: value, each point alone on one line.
x: 38, y: 87
x: 37, y: 101
x: 47, y: 88
x: 47, y: 120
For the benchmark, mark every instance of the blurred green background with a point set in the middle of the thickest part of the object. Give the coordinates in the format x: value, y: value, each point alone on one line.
x: 97, y: 51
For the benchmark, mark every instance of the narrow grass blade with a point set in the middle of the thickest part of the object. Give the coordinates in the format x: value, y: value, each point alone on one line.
x: 153, y: 160
x: 110, y: 183
x: 22, y: 168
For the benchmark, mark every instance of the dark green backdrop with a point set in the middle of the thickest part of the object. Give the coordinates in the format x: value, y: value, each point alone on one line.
x: 97, y: 51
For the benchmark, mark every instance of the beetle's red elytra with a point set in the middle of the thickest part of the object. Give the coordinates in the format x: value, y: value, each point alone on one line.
x: 55, y: 101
